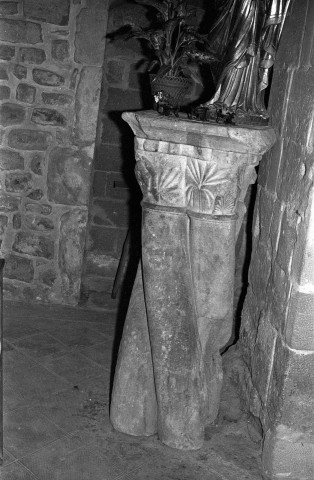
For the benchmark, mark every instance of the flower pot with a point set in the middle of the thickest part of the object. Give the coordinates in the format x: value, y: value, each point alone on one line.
x: 169, y: 92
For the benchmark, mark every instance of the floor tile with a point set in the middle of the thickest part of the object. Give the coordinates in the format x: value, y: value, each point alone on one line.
x: 16, y: 471
x: 40, y: 345
x: 13, y: 360
x: 25, y: 431
x: 100, y: 353
x: 73, y: 367
x: 76, y: 335
x: 13, y: 330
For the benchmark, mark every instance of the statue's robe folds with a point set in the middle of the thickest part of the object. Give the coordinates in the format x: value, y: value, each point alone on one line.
x: 245, y: 38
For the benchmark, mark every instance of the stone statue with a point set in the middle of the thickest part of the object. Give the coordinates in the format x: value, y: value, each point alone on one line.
x: 245, y: 38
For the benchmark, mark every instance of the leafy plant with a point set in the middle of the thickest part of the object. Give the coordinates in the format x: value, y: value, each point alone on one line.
x: 173, y: 40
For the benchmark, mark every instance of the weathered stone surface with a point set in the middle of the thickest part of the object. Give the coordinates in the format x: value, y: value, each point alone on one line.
x: 29, y: 139
x: 60, y: 50
x: 68, y: 177
x: 73, y: 79
x: 300, y: 325
x: 60, y: 99
x: 11, y: 160
x: 47, y: 77
x: 11, y: 114
x: 19, y: 71
x: 36, y: 222
x: 87, y: 103
x: 19, y: 268
x: 90, y: 33
x: 36, y: 194
x: 47, y: 116
x: 18, y: 182
x: 138, y: 416
x: 100, y: 264
x: 4, y: 92
x: 8, y: 8
x: 71, y: 249
x: 48, y: 277
x: 17, y: 221
x: 9, y: 203
x: 3, y: 223
x: 18, y: 31
x: 6, y: 52
x: 36, y: 164
x: 31, y: 244
x: 110, y: 213
x: 31, y: 55
x: 3, y: 73
x: 25, y: 93
x: 54, y: 11
x: 40, y: 208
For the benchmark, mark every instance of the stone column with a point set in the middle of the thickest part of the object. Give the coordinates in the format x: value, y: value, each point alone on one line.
x: 193, y: 177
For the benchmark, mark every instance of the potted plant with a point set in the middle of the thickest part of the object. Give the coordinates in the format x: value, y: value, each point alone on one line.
x: 176, y: 48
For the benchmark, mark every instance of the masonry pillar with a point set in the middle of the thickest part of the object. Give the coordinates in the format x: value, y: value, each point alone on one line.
x: 193, y: 177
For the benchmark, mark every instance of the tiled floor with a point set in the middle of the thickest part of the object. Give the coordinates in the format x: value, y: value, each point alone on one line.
x: 57, y: 371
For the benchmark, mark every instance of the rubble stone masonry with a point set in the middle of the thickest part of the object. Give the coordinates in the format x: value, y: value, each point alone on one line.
x: 51, y: 58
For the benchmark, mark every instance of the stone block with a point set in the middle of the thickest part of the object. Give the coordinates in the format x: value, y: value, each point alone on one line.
x: 17, y: 221
x: 68, y: 178
x: 48, y: 116
x: 36, y: 164
x: 38, y: 223
x: 25, y: 139
x: 3, y: 73
x: 40, y: 208
x: 18, y: 182
x: 11, y: 114
x: 25, y: 93
x: 60, y: 99
x: 265, y: 208
x: 90, y: 34
x: 291, y: 394
x: 6, y: 52
x: 278, y: 294
x: 260, y: 269
x: 33, y: 245
x: 110, y: 158
x: 11, y: 160
x: 262, y: 358
x: 48, y: 277
x: 31, y: 55
x: 36, y: 194
x: 303, y: 259
x: 47, y: 77
x: 115, y: 71
x: 60, y: 50
x: 286, y: 457
x: 4, y: 92
x: 100, y: 265
x: 71, y: 249
x: 55, y: 11
x: 99, y: 184
x: 8, y: 8
x: 106, y: 240
x: 287, y: 240
x: 3, y: 223
x: 299, y: 332
x: 18, y: 268
x: 19, y: 71
x: 110, y: 213
x: 9, y: 203
x: 18, y: 31
x: 118, y: 188
x: 87, y: 103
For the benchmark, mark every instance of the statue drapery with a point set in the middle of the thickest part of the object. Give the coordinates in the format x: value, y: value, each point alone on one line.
x: 245, y: 38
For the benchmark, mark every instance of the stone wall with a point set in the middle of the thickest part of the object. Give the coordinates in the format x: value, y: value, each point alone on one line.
x: 51, y: 55
x: 277, y: 333
x: 116, y: 196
